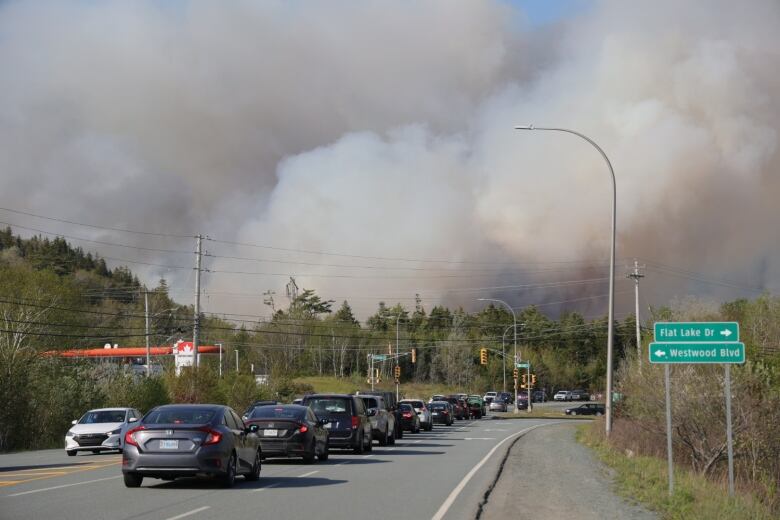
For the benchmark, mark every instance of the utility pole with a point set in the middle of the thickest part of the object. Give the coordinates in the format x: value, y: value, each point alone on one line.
x: 146, y: 315
x: 636, y: 274
x: 196, y: 328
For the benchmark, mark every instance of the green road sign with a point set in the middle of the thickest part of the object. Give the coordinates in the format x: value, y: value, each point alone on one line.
x: 697, y: 332
x: 723, y: 352
x: 522, y: 365
x: 379, y: 357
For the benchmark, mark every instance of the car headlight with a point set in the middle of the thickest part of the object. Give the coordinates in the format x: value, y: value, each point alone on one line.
x: 115, y: 432
x: 69, y: 434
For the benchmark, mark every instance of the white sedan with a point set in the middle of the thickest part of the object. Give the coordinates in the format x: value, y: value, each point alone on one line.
x: 100, y: 430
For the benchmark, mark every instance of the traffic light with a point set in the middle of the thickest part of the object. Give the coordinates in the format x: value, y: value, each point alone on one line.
x: 414, y: 355
x: 533, y: 379
x: 483, y: 356
x: 397, y: 371
x: 525, y: 380
x: 516, y: 373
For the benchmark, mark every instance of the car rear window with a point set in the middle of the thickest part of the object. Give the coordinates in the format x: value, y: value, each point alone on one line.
x: 370, y: 402
x: 180, y: 416
x: 406, y: 407
x: 330, y: 405
x: 438, y: 406
x: 417, y: 404
x: 278, y: 412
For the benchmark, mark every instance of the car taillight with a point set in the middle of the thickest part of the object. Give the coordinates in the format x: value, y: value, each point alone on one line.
x: 445, y: 412
x: 407, y: 414
x: 303, y: 428
x: 213, y: 436
x: 354, y: 422
x: 129, y: 439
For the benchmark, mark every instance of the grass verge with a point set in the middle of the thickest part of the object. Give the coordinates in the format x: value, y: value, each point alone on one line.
x: 644, y: 479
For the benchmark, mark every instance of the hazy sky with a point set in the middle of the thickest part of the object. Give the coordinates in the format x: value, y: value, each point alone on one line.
x: 367, y: 147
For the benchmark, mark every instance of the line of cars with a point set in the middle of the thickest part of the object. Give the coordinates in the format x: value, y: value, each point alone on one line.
x: 207, y: 440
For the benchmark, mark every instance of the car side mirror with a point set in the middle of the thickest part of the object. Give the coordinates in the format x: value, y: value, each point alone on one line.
x: 74, y: 421
x: 132, y: 419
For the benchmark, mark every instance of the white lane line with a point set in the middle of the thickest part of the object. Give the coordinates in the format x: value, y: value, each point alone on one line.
x: 62, y: 486
x: 188, y: 513
x: 343, y: 463
x: 308, y: 474
x: 390, y: 449
x: 479, y: 438
x: 455, y: 492
x: 416, y: 442
x: 269, y: 486
x: 367, y: 456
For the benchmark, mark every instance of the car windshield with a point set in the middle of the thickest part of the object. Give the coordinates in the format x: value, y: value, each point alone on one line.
x: 370, y: 402
x: 326, y: 405
x: 103, y: 416
x: 278, y: 412
x: 180, y: 416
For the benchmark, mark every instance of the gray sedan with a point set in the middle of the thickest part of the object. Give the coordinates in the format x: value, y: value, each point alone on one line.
x: 191, y: 440
x: 497, y: 406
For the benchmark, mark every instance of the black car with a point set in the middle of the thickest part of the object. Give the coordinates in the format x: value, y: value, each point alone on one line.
x: 188, y: 440
x: 587, y: 409
x: 441, y: 412
x: 346, y: 419
x: 409, y: 418
x: 252, y: 406
x: 290, y: 431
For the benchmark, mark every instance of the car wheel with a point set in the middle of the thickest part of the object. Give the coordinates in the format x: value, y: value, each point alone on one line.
x: 370, y: 445
x: 399, y: 432
x: 324, y: 455
x: 384, y: 438
x: 310, y: 456
x: 132, y: 480
x: 229, y: 478
x: 599, y: 414
x: 95, y: 451
x: 255, y: 473
x: 574, y: 413
x: 358, y: 449
x: 391, y: 440
x: 71, y: 453
x: 429, y: 427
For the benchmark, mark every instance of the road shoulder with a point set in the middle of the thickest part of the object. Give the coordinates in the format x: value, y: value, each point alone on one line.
x: 549, y: 475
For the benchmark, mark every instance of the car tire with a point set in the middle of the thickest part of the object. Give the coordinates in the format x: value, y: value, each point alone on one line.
x: 574, y: 413
x: 254, y: 475
x: 391, y: 439
x: 324, y: 455
x: 384, y: 439
x: 132, y: 480
x: 599, y: 414
x: 360, y: 445
x: 309, y: 458
x: 370, y: 446
x: 71, y: 453
x: 400, y: 431
x: 229, y: 478
x: 429, y: 427
x: 96, y: 452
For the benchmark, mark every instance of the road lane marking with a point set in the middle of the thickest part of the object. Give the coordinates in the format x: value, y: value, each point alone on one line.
x: 63, y: 486
x: 44, y: 473
x: 416, y: 442
x: 390, y: 449
x: 188, y: 513
x: 479, y: 438
x: 367, y: 456
x: 455, y: 492
x: 269, y: 486
x: 308, y: 474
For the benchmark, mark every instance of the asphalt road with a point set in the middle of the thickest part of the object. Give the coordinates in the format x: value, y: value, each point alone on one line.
x: 438, y: 474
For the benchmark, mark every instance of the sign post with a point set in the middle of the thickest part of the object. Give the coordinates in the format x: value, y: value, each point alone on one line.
x: 697, y: 343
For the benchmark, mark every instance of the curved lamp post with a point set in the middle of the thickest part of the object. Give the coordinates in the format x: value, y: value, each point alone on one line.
x: 610, y: 328
x: 514, y: 324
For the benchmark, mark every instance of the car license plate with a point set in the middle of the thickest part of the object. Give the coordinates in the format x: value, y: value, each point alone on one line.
x: 271, y: 433
x: 169, y: 445
x: 435, y: 413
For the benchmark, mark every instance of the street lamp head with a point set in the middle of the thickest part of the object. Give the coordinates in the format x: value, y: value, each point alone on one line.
x: 524, y: 127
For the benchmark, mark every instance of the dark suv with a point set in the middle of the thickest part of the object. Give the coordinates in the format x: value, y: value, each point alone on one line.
x: 348, y: 422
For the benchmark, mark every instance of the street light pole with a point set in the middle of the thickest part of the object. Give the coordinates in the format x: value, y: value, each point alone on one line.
x: 397, y: 361
x: 611, y: 312
x: 514, y: 324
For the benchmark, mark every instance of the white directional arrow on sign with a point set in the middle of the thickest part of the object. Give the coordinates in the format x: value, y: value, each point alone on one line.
x: 660, y: 353
x: 726, y: 333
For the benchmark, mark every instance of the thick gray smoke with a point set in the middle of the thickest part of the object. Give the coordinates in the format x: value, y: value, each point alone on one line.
x: 385, y: 130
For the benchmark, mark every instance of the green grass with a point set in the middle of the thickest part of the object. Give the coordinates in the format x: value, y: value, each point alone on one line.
x: 644, y: 479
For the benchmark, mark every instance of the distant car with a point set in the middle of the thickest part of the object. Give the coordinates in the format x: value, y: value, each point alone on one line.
x: 290, y: 431
x: 441, y: 412
x: 580, y: 395
x: 489, y: 396
x: 347, y: 420
x: 506, y: 397
x: 426, y: 421
x: 409, y: 418
x: 382, y: 421
x: 189, y: 440
x: 99, y: 430
x: 562, y: 395
x: 539, y: 396
x: 475, y: 407
x: 587, y: 409
x: 482, y: 403
x: 522, y: 401
x: 457, y: 408
x: 497, y: 406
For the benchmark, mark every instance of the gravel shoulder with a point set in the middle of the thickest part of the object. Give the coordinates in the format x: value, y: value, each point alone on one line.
x: 549, y: 475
